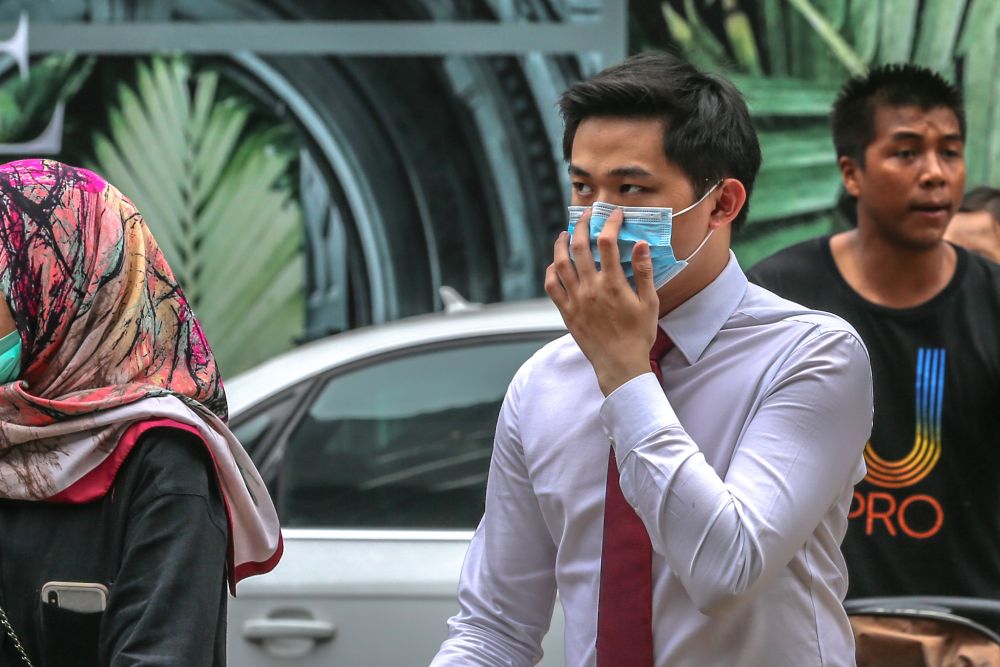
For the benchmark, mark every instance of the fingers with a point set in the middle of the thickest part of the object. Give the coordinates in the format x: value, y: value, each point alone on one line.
x: 554, y: 287
x: 582, y: 257
x: 561, y: 263
x: 569, y: 276
x: 607, y: 245
x: 642, y: 267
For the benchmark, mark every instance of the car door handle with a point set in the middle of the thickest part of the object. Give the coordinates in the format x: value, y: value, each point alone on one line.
x: 262, y: 629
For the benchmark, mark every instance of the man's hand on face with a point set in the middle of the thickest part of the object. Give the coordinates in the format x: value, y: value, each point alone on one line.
x: 614, y: 326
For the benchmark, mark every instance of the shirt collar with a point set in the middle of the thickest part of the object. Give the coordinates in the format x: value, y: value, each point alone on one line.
x: 693, y: 324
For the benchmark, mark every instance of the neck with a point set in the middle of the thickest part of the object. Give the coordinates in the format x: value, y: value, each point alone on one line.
x: 891, y: 274
x: 702, y: 270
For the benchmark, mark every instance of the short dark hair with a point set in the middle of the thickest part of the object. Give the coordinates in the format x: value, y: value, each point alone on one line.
x: 983, y: 198
x: 707, y: 129
x: 893, y: 85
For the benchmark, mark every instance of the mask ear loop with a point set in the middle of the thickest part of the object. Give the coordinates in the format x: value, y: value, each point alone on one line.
x: 711, y: 231
x: 700, y: 245
x: 703, y: 197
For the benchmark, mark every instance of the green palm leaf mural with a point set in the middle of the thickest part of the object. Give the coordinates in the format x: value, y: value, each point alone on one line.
x: 213, y: 189
x: 26, y: 105
x: 792, y: 66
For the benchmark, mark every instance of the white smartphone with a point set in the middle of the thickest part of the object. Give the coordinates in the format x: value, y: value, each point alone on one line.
x: 76, y: 596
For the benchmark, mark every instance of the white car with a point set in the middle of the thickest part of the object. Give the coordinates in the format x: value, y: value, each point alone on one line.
x: 375, y: 444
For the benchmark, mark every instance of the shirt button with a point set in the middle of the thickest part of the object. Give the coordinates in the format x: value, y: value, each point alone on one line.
x: 611, y: 439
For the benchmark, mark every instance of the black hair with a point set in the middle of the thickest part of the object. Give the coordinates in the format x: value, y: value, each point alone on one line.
x: 894, y: 85
x: 983, y: 198
x: 707, y: 129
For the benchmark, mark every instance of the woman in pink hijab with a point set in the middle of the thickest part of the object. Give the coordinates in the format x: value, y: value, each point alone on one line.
x: 126, y: 503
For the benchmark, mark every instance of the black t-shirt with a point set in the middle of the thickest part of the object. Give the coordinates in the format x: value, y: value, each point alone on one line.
x: 157, y: 540
x: 926, y: 518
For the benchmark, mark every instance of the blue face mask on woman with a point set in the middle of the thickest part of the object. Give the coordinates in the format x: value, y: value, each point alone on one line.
x: 10, y: 357
x: 642, y: 223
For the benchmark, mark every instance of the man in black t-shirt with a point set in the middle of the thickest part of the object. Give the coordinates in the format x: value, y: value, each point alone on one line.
x: 926, y: 518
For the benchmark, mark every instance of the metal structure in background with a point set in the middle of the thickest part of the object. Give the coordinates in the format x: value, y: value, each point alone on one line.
x: 50, y: 139
x: 430, y: 150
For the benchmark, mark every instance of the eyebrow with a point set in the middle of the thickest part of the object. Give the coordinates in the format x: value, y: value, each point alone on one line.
x: 630, y: 171
x: 903, y: 135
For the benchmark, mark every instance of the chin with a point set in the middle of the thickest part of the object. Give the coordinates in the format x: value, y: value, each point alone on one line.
x: 927, y: 240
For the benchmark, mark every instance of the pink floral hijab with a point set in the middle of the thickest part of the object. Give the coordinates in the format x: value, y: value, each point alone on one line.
x: 111, y: 349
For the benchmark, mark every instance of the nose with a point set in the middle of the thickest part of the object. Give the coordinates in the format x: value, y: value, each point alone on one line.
x: 610, y: 195
x: 934, y: 173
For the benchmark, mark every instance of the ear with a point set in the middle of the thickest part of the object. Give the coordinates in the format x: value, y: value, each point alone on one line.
x: 850, y: 172
x: 727, y: 201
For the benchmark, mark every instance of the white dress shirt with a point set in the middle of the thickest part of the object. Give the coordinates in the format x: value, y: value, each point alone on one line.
x: 741, y: 466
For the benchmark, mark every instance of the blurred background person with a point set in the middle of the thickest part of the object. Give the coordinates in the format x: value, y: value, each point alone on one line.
x: 929, y: 313
x: 976, y: 226
x: 127, y: 503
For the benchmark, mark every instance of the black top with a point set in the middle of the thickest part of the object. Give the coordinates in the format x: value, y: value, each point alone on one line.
x: 157, y: 540
x: 926, y: 518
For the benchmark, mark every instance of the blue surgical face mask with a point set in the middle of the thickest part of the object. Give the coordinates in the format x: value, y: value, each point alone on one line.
x: 642, y: 223
x: 10, y: 357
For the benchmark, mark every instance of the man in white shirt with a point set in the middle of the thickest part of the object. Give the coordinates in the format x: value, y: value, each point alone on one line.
x: 737, y: 468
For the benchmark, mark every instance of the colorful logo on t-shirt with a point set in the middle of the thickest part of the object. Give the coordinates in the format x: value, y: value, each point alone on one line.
x: 926, y: 450
x: 919, y: 516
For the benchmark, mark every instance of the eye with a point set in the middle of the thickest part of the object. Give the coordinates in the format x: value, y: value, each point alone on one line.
x: 906, y: 153
x: 629, y: 189
x: 582, y: 188
x: 952, y: 153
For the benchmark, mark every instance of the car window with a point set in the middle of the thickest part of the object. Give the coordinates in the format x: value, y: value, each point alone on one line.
x: 255, y: 430
x: 402, y: 443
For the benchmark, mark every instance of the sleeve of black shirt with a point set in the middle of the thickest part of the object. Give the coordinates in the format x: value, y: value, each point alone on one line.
x: 763, y: 273
x: 168, y: 603
x: 799, y: 273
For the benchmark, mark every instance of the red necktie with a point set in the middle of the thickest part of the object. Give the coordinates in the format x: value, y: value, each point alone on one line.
x: 625, y: 609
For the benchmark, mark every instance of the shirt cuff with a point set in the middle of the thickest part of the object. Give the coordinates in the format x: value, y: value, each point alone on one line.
x: 634, y: 411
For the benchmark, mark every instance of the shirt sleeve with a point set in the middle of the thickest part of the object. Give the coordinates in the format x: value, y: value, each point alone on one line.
x: 507, y: 589
x: 167, y: 605
x: 725, y: 536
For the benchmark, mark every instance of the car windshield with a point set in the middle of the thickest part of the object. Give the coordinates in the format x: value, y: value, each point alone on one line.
x: 402, y: 443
